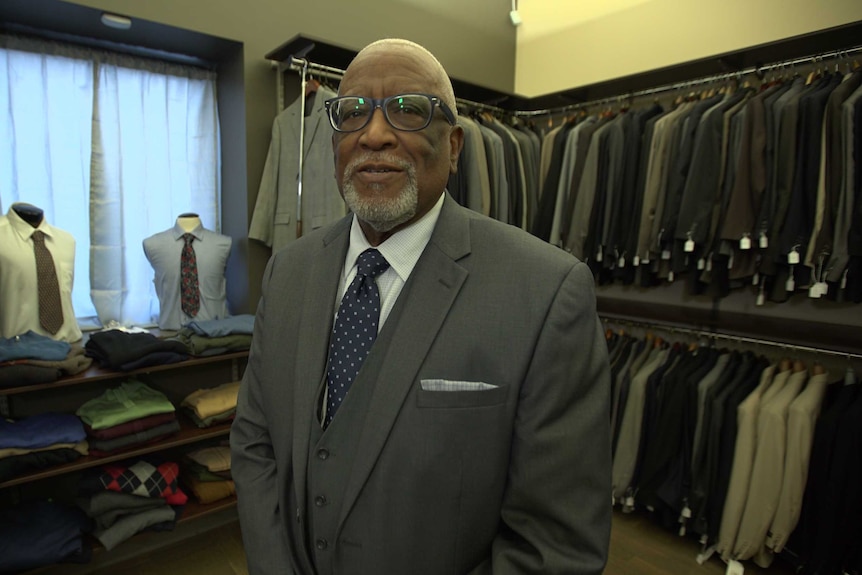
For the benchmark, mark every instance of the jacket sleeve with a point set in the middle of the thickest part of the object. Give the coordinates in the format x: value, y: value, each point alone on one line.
x: 263, y: 217
x: 556, y: 513
x: 253, y: 466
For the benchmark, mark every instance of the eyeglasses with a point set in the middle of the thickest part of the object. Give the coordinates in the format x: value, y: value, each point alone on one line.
x: 405, y: 112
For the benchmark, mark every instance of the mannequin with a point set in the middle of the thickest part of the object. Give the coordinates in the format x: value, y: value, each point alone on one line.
x: 164, y: 252
x: 29, y: 213
x: 188, y: 221
x: 19, y: 287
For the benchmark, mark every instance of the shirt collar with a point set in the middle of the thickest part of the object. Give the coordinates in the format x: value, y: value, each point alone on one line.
x: 179, y: 232
x: 403, y: 248
x: 24, y: 229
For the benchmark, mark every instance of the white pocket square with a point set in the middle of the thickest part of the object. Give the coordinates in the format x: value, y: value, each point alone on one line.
x: 450, y: 385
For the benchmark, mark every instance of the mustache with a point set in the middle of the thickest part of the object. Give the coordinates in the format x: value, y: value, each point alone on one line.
x: 382, y: 157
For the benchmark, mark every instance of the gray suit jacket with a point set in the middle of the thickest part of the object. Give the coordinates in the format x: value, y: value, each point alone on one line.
x: 515, y: 478
x: 274, y: 219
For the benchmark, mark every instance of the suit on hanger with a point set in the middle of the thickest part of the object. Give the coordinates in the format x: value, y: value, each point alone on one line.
x: 743, y: 459
x: 401, y: 463
x: 473, y: 164
x: 274, y: 219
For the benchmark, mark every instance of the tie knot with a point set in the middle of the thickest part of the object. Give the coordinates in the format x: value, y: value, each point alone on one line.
x: 371, y: 263
x: 188, y: 238
x: 38, y: 237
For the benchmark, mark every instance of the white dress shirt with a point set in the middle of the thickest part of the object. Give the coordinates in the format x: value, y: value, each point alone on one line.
x: 19, y: 291
x: 402, y: 250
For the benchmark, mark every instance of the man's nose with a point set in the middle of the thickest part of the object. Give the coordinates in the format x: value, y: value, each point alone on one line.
x: 378, y: 133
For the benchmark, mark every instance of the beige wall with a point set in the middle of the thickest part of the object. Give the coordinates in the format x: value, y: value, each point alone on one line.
x: 564, y: 44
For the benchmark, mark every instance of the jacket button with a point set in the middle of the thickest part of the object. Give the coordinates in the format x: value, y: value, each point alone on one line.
x: 321, y: 544
x: 322, y: 454
x: 320, y: 500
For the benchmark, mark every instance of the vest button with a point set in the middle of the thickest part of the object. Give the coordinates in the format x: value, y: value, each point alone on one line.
x: 320, y: 500
x: 322, y: 454
x: 321, y: 544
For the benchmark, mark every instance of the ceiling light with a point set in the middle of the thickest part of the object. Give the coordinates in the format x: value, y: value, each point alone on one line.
x: 115, y: 21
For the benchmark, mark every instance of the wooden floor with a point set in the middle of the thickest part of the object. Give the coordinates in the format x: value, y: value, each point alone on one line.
x: 638, y: 547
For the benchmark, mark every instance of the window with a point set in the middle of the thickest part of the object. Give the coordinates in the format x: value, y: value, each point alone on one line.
x: 113, y: 148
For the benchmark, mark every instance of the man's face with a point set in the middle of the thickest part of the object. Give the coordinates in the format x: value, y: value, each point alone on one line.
x: 387, y: 177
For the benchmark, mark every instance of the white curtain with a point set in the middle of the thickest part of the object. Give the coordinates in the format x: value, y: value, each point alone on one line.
x: 116, y: 148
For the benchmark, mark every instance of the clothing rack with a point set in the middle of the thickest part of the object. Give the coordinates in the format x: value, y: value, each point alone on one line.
x: 674, y: 329
x: 758, y: 70
x: 305, y: 67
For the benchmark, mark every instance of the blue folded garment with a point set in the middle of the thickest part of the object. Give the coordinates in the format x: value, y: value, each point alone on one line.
x: 41, y: 430
x: 31, y: 345
x: 237, y: 324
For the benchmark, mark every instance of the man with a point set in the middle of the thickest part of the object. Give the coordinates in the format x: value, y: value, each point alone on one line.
x: 475, y: 437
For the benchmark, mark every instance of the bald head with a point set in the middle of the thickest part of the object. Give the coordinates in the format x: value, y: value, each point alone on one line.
x: 439, y: 83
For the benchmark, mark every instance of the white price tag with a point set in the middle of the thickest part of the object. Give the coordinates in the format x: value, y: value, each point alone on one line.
x: 689, y: 246
x: 637, y: 261
x: 670, y: 276
x: 745, y: 243
x: 734, y: 567
x: 630, y: 501
x: 665, y: 254
x: 599, y: 255
x: 814, y: 291
x: 704, y: 555
x: 790, y: 285
x: 686, y: 512
x: 755, y: 279
x: 793, y: 258
x: 761, y: 299
x: 764, y: 241
x: 701, y: 264
x: 622, y: 262
x: 824, y: 288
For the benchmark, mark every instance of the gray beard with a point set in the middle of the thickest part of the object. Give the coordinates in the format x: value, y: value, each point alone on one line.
x: 381, y: 213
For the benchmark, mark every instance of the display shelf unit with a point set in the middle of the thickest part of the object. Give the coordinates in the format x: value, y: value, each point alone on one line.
x: 175, y: 380
x: 188, y: 434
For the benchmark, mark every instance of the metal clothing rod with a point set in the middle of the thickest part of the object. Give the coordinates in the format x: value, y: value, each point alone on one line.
x: 726, y: 336
x: 298, y: 65
x: 303, y: 83
x: 690, y: 83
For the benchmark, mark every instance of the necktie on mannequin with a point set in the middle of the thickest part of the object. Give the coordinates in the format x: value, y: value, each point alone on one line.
x: 355, y: 329
x: 190, y: 294
x: 50, y: 308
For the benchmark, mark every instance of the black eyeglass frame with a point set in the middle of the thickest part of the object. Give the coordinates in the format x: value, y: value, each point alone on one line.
x: 382, y: 103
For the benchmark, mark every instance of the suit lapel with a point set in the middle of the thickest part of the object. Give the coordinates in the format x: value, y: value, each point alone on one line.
x: 315, y: 325
x: 421, y: 308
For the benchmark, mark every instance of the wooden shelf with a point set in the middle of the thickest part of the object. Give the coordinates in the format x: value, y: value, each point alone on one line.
x: 188, y: 434
x: 196, y: 510
x: 97, y: 373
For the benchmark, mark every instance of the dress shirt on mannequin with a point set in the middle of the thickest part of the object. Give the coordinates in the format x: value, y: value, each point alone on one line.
x: 164, y: 252
x: 19, y: 291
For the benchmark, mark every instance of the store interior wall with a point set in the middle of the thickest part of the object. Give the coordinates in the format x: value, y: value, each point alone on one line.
x: 563, y: 44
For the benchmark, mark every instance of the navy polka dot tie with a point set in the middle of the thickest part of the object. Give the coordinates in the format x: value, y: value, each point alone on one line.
x: 355, y: 329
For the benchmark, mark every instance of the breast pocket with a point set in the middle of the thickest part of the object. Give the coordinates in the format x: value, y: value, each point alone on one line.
x: 470, y: 398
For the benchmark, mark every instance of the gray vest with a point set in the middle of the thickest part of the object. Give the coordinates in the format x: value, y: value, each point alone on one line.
x: 331, y: 451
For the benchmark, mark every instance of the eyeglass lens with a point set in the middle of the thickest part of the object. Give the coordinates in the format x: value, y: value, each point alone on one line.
x: 407, y: 112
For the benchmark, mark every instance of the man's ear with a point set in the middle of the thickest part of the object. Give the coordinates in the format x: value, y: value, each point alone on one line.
x: 456, y: 144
